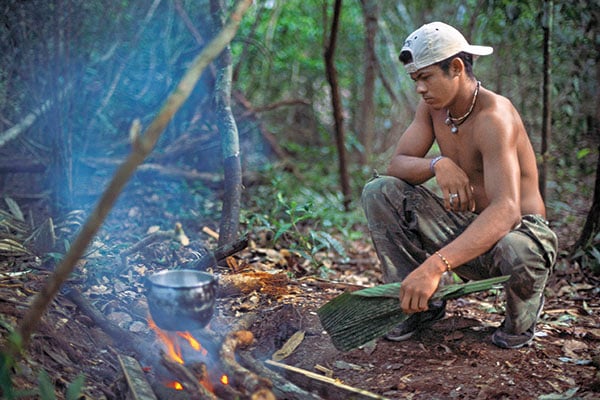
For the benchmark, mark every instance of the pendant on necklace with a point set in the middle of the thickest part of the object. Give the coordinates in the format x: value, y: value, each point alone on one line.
x: 453, y: 127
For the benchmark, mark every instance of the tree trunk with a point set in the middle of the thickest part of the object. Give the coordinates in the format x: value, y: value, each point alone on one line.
x: 547, y: 104
x: 336, y: 103
x: 367, y: 117
x: 61, y: 171
x: 592, y: 223
x: 230, y: 145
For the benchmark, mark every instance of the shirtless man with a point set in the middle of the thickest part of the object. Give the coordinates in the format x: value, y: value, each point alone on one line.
x: 491, y: 219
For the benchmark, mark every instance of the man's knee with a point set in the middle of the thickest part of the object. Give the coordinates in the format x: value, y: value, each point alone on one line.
x: 521, y: 257
x: 383, y: 186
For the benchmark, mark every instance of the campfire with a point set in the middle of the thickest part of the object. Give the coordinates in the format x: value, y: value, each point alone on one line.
x: 203, y: 372
x: 184, y: 349
x: 215, y: 362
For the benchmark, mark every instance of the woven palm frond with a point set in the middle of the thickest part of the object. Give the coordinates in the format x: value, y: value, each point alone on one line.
x: 353, y: 319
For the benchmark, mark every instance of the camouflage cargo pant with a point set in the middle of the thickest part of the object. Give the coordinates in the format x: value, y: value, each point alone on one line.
x: 409, y: 223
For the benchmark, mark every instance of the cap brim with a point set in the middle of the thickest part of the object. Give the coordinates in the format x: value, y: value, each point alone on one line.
x: 479, y: 50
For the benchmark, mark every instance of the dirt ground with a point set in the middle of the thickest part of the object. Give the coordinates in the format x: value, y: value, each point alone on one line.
x: 453, y: 360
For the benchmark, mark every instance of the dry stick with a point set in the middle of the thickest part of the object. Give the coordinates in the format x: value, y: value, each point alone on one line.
x: 142, y: 146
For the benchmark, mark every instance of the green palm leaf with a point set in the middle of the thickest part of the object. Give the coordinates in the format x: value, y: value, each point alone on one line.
x: 353, y: 319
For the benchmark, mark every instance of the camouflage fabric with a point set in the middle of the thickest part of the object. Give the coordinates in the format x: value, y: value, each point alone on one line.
x: 409, y: 223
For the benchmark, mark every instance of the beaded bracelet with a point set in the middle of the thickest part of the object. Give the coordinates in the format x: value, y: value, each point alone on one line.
x: 448, y: 265
x: 433, y: 162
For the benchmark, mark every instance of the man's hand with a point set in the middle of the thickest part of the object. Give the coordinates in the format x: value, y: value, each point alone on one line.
x: 418, y: 287
x: 455, y: 185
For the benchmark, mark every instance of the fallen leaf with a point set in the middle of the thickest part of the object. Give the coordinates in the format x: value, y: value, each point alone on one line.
x: 348, y: 366
x: 568, y: 394
x: 571, y: 347
x: 14, y: 208
x: 288, y: 348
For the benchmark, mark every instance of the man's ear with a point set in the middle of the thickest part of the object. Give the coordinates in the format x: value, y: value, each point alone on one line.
x: 457, y: 66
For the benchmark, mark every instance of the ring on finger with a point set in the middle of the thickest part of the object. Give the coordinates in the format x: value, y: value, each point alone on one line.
x: 452, y: 197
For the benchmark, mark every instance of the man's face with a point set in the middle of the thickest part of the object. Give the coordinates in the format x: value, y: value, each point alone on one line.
x: 434, y: 85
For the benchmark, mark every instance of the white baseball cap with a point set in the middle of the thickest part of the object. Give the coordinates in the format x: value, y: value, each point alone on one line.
x: 435, y: 42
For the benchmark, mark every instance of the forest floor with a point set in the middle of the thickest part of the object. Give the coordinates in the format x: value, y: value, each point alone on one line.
x: 454, y: 359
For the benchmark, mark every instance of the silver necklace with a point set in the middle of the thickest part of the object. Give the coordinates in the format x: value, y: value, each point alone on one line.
x: 454, y: 123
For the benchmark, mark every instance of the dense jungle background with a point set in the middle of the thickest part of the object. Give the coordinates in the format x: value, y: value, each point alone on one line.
x: 274, y: 145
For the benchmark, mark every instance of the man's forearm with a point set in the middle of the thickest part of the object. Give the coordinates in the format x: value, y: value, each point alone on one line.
x: 481, y: 235
x: 414, y: 170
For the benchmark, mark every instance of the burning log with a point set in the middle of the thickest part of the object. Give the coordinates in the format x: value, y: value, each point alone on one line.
x: 239, y: 375
x: 188, y: 380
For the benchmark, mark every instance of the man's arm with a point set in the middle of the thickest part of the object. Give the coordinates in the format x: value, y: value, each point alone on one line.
x: 408, y: 162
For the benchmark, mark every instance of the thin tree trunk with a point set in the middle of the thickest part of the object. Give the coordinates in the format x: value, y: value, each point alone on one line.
x: 142, y: 146
x: 230, y: 145
x: 547, y: 102
x: 62, y: 156
x: 336, y: 103
x: 367, y: 117
x: 250, y: 37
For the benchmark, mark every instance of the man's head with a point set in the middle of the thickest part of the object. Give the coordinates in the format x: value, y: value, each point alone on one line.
x: 436, y: 42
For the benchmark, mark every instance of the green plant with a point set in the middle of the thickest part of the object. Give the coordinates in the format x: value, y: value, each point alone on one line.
x: 306, y: 219
x: 45, y: 390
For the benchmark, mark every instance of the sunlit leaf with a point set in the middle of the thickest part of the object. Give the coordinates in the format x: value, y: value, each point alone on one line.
x: 74, y: 390
x: 46, y: 387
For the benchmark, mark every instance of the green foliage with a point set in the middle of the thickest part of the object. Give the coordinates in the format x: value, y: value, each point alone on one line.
x: 45, y: 390
x: 304, y: 217
x: 8, y: 365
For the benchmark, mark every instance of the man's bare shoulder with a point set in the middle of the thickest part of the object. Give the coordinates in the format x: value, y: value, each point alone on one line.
x: 498, y: 115
x: 494, y: 103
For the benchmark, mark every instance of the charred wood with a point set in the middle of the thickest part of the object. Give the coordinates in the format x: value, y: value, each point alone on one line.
x: 190, y: 382
x: 239, y: 376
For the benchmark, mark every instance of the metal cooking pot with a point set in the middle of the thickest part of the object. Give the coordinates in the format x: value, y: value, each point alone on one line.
x: 181, y: 300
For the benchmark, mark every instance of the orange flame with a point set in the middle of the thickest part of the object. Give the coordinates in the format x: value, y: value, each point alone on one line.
x: 193, y: 342
x: 225, y: 380
x: 173, y: 351
x: 174, y: 385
